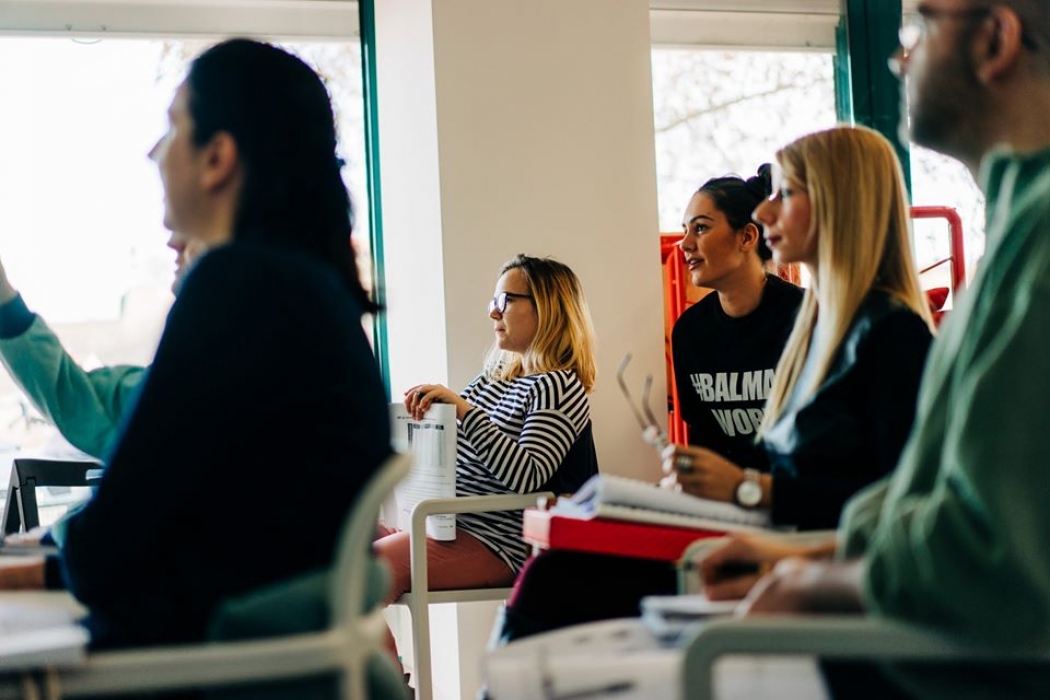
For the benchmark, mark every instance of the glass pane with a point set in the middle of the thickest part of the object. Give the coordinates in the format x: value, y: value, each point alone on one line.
x: 945, y: 182
x: 719, y: 113
x: 81, y: 205
x: 941, y: 181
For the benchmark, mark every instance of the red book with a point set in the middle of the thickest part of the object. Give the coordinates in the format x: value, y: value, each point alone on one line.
x: 600, y: 536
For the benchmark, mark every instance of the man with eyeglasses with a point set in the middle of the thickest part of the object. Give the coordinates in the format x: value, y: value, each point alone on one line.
x: 958, y: 538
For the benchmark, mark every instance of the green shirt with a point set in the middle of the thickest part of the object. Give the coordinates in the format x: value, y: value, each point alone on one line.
x: 959, y: 537
x: 85, y: 406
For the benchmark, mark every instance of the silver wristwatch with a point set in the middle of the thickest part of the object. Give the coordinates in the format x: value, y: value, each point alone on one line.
x: 749, y: 491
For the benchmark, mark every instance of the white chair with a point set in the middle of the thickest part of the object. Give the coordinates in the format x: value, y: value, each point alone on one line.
x: 421, y: 597
x: 353, y: 636
x: 836, y: 637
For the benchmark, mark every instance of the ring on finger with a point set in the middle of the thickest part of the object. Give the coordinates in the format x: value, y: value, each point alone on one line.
x: 683, y: 463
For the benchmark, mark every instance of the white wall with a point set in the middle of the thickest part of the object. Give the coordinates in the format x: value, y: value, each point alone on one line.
x: 507, y: 127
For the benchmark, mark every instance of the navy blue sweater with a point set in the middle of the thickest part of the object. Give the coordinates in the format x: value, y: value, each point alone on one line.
x: 262, y: 417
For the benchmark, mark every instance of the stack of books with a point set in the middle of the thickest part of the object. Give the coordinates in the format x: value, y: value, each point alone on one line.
x: 632, y: 518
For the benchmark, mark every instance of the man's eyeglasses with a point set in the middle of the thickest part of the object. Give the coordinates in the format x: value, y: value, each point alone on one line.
x: 500, y: 301
x: 916, y: 26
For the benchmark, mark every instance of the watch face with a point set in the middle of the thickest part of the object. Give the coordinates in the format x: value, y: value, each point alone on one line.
x: 749, y: 493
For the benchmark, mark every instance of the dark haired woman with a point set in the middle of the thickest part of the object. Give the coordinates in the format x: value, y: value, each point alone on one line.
x: 735, y: 333
x: 842, y: 401
x: 726, y: 346
x: 197, y: 503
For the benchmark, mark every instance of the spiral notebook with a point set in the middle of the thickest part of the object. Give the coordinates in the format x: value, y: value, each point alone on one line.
x: 621, y: 498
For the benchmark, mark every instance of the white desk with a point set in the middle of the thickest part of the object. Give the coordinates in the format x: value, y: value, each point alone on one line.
x: 38, y: 628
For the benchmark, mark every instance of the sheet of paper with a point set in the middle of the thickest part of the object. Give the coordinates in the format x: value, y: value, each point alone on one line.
x: 671, y: 618
x: 609, y: 659
x: 432, y: 442
x: 688, y: 606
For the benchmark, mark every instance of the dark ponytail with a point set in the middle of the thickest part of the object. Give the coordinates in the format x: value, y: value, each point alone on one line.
x: 738, y: 198
x: 279, y: 113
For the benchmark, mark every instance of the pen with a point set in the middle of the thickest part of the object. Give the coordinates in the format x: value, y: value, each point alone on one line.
x: 735, y: 569
x: 621, y: 687
x: 730, y: 569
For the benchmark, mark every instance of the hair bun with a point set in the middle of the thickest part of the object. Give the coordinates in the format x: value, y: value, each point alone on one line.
x: 762, y: 182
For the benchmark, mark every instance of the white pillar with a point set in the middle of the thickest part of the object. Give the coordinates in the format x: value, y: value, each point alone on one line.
x: 520, y: 126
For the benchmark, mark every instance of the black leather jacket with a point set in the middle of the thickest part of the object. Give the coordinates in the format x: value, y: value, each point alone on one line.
x: 850, y: 431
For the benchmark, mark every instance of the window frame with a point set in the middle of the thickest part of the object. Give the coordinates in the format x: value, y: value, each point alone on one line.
x: 278, y: 20
x: 291, y: 20
x: 766, y: 25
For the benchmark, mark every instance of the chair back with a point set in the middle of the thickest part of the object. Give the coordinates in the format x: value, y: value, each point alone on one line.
x: 349, y: 590
x: 579, y: 465
x: 21, y: 510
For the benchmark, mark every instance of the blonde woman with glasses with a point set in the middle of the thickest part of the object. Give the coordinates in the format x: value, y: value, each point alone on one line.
x: 843, y: 399
x: 524, y: 424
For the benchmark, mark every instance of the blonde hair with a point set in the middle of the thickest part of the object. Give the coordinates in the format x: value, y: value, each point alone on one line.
x: 859, y: 213
x: 564, y: 337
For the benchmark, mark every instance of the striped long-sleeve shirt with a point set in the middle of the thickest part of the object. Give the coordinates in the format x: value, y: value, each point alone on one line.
x: 512, y: 441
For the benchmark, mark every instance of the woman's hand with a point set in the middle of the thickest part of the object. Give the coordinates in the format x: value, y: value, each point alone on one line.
x: 709, y: 474
x: 419, y: 398
x: 730, y: 572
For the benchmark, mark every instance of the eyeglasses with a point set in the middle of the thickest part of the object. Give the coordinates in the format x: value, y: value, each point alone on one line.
x: 916, y: 26
x: 500, y: 301
x: 652, y: 433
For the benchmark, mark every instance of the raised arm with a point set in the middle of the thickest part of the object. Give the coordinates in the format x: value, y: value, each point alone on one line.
x: 84, y: 406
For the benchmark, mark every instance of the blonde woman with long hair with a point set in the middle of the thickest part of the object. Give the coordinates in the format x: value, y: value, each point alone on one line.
x: 524, y: 423
x: 843, y: 398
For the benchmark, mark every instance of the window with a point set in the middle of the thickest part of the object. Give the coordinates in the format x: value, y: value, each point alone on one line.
x: 944, y: 182
x: 938, y: 180
x: 720, y: 112
x: 726, y: 112
x: 81, y: 205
